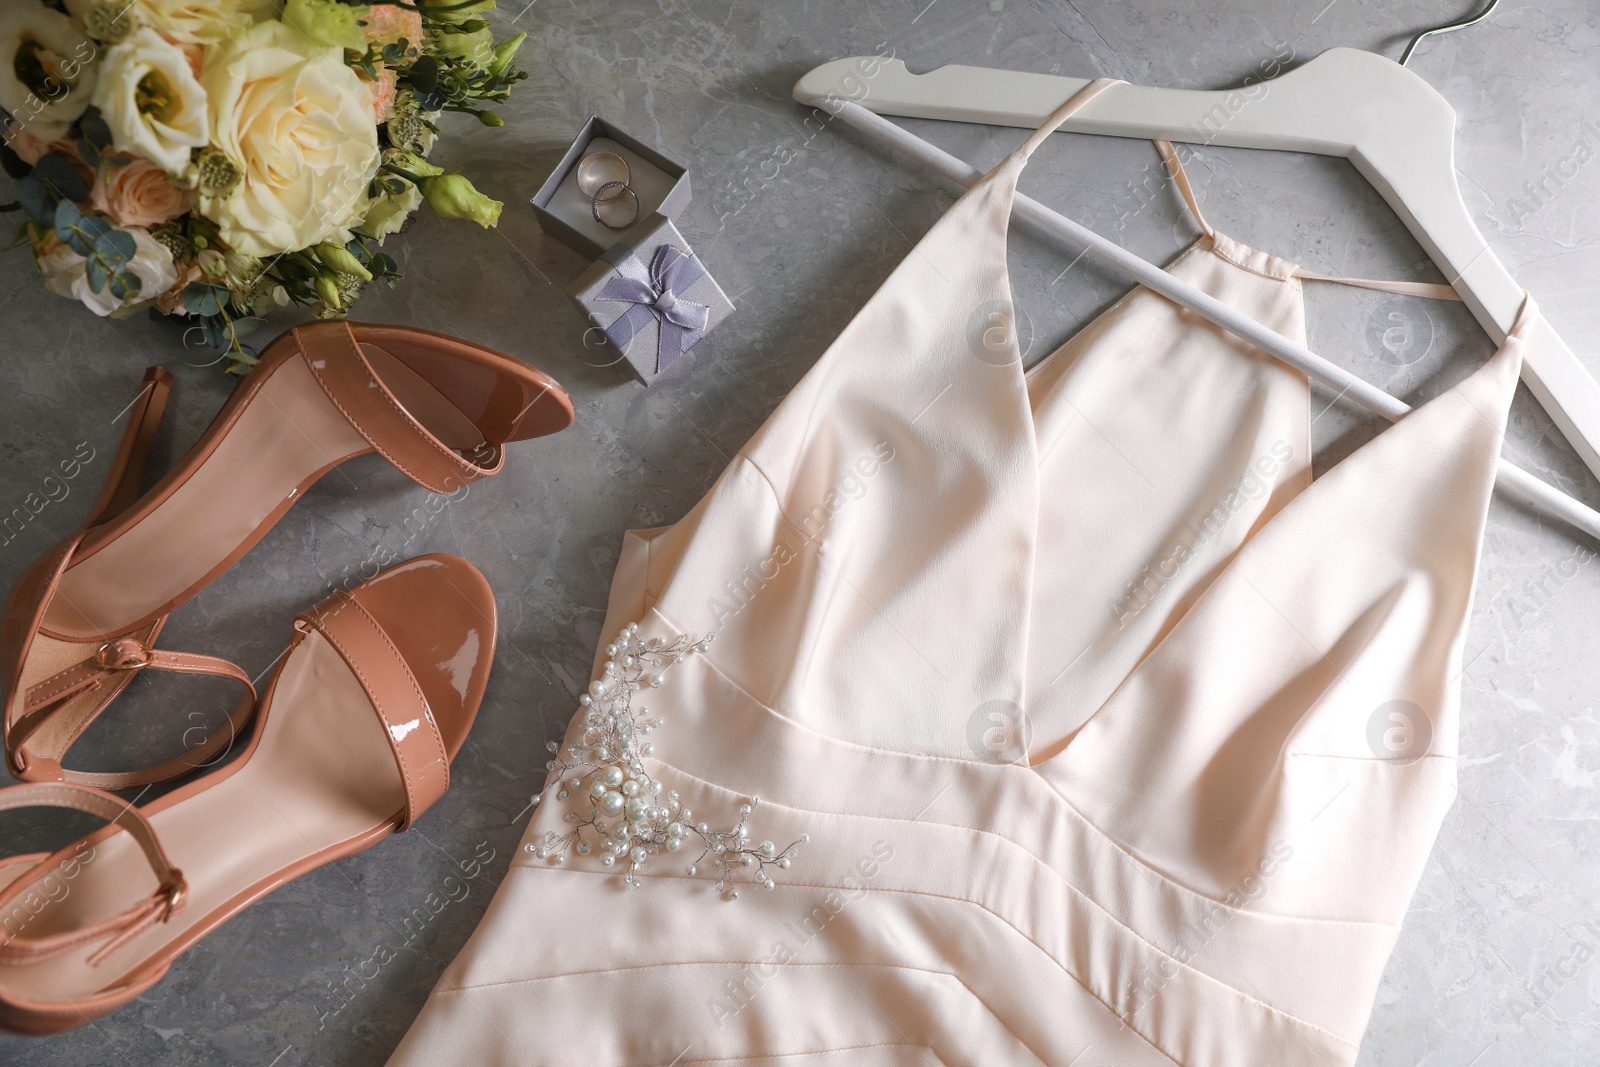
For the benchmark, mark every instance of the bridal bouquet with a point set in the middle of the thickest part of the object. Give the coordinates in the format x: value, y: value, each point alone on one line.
x: 214, y: 159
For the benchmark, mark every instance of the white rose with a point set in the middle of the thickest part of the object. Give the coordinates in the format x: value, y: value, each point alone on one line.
x: 152, y: 101
x: 46, y: 68
x: 202, y: 22
x: 65, y: 274
x: 298, y: 122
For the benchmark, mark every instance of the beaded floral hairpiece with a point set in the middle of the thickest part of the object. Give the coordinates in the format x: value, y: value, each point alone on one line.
x: 606, y: 769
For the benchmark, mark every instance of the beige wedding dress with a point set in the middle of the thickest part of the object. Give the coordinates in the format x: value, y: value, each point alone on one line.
x: 1115, y: 738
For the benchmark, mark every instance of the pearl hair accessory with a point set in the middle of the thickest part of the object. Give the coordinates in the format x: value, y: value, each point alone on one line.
x: 606, y: 770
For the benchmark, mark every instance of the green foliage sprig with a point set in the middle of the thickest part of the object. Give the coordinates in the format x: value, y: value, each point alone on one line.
x: 49, y: 195
x: 94, y: 142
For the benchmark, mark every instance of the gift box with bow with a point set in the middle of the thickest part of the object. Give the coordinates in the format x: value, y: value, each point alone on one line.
x: 649, y: 299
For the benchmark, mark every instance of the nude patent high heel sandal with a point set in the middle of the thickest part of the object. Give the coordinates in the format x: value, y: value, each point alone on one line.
x: 82, y: 621
x: 353, y: 742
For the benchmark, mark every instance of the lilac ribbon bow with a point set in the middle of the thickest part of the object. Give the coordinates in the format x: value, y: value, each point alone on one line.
x: 656, y: 296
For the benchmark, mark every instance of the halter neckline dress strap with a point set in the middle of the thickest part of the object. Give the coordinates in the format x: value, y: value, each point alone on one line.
x: 1017, y: 159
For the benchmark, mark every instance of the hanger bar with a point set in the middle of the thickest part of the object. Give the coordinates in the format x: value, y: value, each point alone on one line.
x: 1396, y: 130
x: 1513, y: 480
x: 1449, y: 27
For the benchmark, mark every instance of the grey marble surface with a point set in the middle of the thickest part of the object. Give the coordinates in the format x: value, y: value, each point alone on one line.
x: 1496, y: 962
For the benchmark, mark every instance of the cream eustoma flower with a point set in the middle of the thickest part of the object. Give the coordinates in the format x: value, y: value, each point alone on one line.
x: 152, y: 101
x: 328, y: 22
x: 476, y: 47
x: 46, y: 68
x: 298, y: 123
x: 202, y: 22
x: 388, y: 213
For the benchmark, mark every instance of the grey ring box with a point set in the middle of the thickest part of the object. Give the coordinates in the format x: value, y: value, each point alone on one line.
x: 564, y: 213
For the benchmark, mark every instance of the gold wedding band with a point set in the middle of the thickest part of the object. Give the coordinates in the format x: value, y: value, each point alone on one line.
x: 600, y: 171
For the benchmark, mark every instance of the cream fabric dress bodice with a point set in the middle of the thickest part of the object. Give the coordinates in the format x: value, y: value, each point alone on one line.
x: 1070, y: 676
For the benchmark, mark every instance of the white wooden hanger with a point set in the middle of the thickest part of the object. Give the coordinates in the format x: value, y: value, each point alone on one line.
x: 819, y: 92
x: 1396, y: 129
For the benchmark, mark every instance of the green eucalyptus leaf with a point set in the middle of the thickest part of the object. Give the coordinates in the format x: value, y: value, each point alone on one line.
x: 86, y: 235
x: 424, y: 74
x: 117, y: 244
x: 36, y: 200
x: 57, y: 172
x: 95, y: 129
x: 200, y: 299
x: 244, y: 357
x: 69, y: 228
x: 98, y: 273
x: 125, y: 285
x: 97, y: 228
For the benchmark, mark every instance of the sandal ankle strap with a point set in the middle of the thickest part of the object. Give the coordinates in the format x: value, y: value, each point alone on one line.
x: 111, y: 660
x: 116, y: 930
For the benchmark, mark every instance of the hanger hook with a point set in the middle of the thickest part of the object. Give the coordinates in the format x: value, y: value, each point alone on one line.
x: 1450, y: 28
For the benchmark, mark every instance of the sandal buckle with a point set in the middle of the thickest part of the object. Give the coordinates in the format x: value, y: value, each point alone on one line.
x: 123, y: 654
x: 173, y: 893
